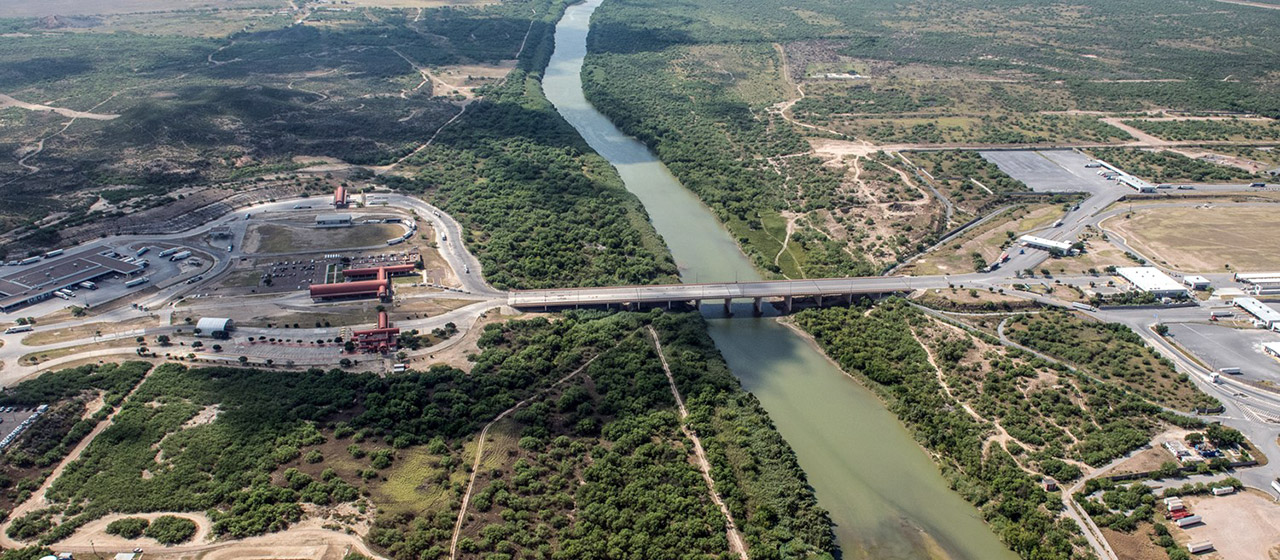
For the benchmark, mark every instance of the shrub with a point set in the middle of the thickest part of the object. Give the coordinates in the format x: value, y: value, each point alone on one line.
x: 169, y: 529
x: 128, y: 527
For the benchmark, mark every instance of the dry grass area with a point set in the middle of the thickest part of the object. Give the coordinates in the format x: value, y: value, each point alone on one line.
x: 87, y: 331
x: 1137, y: 545
x: 1203, y: 239
x: 987, y: 239
x: 39, y: 357
x: 19, y: 9
x: 95, y: 533
x: 1242, y: 526
x: 416, y: 483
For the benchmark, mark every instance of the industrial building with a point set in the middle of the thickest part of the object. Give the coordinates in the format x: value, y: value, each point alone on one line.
x: 39, y: 280
x: 1260, y: 283
x: 1046, y: 244
x: 1151, y: 280
x: 1264, y: 315
x: 216, y: 327
x: 381, y: 339
x: 379, y: 286
x: 1196, y: 282
x: 340, y: 197
x: 333, y: 220
x: 1127, y: 179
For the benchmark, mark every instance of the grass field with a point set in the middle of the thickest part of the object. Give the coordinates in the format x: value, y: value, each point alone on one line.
x: 1204, y: 239
x: 274, y: 238
x: 413, y: 484
x: 87, y: 330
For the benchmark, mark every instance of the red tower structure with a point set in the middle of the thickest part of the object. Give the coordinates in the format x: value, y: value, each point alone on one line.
x: 381, y: 339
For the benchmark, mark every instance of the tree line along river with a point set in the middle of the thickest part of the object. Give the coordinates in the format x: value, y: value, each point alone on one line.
x: 884, y: 493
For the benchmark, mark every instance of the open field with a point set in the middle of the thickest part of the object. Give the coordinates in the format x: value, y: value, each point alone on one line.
x: 87, y: 330
x: 1204, y: 239
x: 20, y: 9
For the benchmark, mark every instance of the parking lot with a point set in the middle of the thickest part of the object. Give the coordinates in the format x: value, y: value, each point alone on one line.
x: 1052, y: 171
x: 12, y: 417
x: 1221, y: 346
x: 300, y: 273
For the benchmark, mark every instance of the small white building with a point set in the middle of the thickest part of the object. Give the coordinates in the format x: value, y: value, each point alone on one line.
x: 1151, y: 280
x: 1196, y: 282
x: 1265, y: 315
x: 1046, y: 244
x: 214, y: 326
x: 333, y: 220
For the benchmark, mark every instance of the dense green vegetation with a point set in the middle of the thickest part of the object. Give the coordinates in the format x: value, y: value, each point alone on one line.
x: 603, y: 452
x: 1051, y: 419
x: 1166, y: 166
x: 23, y: 467
x: 170, y: 529
x: 251, y: 447
x: 1113, y: 353
x: 541, y: 209
x: 128, y: 527
x: 961, y: 175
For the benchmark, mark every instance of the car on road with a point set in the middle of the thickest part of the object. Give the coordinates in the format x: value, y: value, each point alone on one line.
x: 1257, y: 185
x: 1186, y: 188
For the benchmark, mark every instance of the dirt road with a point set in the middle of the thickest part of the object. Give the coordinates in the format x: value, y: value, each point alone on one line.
x: 736, y: 543
x: 6, y: 101
x: 475, y: 463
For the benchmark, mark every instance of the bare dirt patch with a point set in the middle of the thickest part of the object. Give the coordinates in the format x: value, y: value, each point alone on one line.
x: 1204, y: 239
x: 95, y: 533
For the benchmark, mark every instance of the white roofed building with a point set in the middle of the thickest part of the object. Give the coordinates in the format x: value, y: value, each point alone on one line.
x: 1266, y: 316
x: 1046, y: 244
x: 1151, y: 280
x: 1196, y: 282
x: 214, y: 326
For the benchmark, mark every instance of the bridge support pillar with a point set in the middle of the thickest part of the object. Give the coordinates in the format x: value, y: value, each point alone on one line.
x: 848, y: 299
x: 727, y: 303
x: 757, y: 304
x: 818, y: 300
x: 786, y: 304
x: 697, y: 304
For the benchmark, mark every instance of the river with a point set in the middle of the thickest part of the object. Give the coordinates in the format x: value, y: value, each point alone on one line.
x: 884, y: 493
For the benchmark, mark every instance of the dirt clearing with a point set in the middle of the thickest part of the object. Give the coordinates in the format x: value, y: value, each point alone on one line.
x: 1242, y: 526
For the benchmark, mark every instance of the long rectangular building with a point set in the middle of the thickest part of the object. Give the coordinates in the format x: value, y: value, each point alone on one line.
x: 378, y: 286
x: 1150, y: 279
x: 1266, y: 315
x: 1046, y: 244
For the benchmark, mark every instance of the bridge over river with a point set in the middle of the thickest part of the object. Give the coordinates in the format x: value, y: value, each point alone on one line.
x: 782, y: 291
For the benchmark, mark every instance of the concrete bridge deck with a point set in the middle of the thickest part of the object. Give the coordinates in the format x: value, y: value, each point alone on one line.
x: 785, y: 290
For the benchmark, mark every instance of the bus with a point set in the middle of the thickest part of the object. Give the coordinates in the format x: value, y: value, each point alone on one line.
x: 18, y: 329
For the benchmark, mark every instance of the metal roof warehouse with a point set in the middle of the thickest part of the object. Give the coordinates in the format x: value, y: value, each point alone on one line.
x: 38, y: 282
x: 1151, y: 279
x: 1265, y: 314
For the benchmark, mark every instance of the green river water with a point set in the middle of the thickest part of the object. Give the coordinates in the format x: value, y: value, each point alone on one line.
x: 884, y: 493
